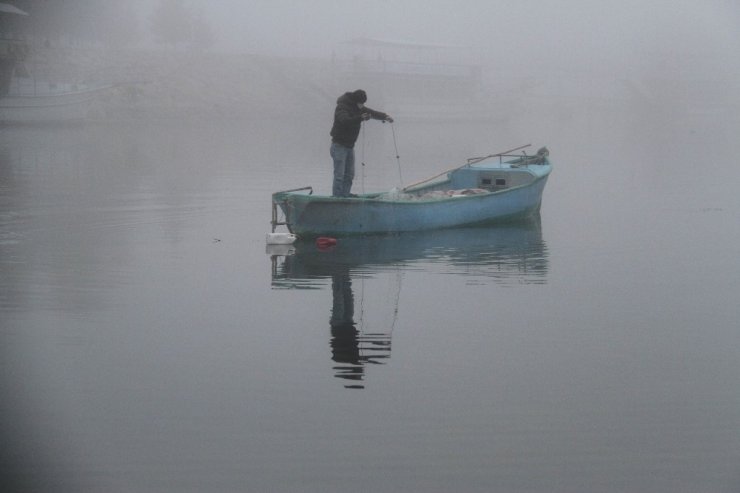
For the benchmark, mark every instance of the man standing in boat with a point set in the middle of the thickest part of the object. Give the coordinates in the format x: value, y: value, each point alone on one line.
x: 348, y: 117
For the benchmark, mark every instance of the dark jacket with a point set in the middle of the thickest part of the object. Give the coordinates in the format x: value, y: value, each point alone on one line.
x: 348, y: 119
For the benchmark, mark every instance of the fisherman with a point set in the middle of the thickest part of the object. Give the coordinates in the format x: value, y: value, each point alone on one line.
x: 348, y: 117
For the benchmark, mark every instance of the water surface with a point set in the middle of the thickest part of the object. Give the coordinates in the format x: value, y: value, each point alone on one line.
x: 150, y: 342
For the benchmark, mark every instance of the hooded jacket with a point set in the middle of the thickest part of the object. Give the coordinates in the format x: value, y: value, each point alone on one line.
x: 348, y: 120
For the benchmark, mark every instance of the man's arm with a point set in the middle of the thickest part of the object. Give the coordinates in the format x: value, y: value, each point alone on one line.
x: 377, y: 115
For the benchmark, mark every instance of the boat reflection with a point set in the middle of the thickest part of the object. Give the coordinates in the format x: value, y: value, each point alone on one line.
x: 507, y: 253
x: 366, y: 274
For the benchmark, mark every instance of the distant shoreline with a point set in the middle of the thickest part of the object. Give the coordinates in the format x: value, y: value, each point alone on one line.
x: 174, y: 85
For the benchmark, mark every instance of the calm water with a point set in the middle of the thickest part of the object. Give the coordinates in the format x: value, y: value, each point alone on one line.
x: 149, y: 342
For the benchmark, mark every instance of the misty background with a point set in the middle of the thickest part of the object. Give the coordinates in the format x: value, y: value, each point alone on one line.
x: 231, y: 58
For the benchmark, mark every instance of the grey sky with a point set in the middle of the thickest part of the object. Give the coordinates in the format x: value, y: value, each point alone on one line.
x: 570, y: 32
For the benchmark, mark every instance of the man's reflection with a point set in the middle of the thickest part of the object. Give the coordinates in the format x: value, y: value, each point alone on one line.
x: 353, y: 348
x: 345, y: 346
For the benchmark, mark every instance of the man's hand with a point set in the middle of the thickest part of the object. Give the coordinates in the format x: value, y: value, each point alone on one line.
x: 388, y: 119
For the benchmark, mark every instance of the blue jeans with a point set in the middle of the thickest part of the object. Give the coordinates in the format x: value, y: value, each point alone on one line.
x: 344, y: 169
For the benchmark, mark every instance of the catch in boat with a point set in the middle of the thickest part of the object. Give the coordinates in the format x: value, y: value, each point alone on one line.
x: 489, y: 189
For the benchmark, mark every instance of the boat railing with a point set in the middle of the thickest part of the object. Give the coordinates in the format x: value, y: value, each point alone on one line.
x: 275, y: 219
x: 309, y: 188
x: 473, y: 160
x: 525, y: 160
x: 522, y: 159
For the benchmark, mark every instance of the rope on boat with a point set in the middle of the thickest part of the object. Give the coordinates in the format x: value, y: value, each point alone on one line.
x: 362, y: 160
x: 398, y: 158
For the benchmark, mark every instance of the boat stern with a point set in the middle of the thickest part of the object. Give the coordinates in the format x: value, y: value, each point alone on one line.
x: 281, y: 201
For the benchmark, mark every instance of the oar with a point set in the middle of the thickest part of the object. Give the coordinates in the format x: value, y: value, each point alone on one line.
x: 473, y: 161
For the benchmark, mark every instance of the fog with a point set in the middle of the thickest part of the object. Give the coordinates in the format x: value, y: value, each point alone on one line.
x: 572, y: 34
x: 145, y: 347
x: 233, y: 59
x: 675, y: 38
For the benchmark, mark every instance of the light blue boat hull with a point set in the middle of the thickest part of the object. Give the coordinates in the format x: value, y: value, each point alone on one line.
x: 310, y: 215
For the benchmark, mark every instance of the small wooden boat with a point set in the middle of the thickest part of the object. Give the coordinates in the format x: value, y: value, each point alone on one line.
x: 489, y: 189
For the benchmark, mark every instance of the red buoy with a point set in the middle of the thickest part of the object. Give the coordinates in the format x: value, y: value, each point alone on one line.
x: 325, y: 242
